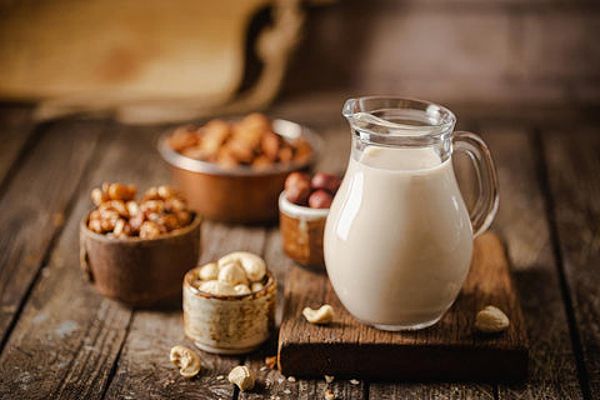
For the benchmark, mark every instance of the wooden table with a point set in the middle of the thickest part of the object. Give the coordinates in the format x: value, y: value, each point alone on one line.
x: 61, y: 339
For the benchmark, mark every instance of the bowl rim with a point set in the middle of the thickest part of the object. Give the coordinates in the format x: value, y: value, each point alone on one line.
x: 195, y: 224
x: 295, y: 210
x: 286, y: 129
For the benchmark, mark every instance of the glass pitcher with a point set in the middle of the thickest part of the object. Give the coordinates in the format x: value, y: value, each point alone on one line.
x: 399, y: 238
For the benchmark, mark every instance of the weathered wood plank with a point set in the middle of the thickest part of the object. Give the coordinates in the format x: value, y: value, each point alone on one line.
x: 34, y: 204
x: 573, y: 165
x: 68, y: 337
x: 144, y: 370
x: 523, y: 224
x: 15, y: 130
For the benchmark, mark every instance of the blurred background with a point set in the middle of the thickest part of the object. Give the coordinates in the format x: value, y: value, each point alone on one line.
x: 156, y: 61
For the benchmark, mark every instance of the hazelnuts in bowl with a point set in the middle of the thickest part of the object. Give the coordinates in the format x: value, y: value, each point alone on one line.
x: 233, y: 170
x: 303, y: 209
x: 137, y: 251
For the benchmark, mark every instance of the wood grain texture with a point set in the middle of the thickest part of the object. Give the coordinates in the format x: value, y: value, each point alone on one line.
x: 523, y: 223
x: 34, y: 205
x: 144, y: 370
x: 77, y: 333
x: 15, y: 130
x: 573, y: 165
x: 449, y: 350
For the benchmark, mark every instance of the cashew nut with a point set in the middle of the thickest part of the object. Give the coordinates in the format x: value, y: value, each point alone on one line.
x: 186, y: 360
x: 257, y: 286
x: 491, y: 320
x: 322, y: 316
x: 242, y: 377
x: 208, y: 272
x: 242, y: 289
x: 217, y: 288
x: 233, y: 274
x: 254, y: 265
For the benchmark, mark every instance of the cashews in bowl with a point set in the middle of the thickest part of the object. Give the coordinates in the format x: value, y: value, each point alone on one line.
x: 254, y: 265
x: 217, y: 288
x: 209, y: 272
x: 232, y: 274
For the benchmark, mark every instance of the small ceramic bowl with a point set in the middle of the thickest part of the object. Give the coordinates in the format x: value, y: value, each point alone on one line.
x: 238, y: 195
x: 228, y: 324
x: 139, y: 272
x: 302, y: 230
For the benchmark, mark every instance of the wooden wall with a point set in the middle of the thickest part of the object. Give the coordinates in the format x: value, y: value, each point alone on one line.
x: 528, y: 52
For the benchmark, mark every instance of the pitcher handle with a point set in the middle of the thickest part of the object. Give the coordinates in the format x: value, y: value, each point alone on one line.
x: 486, y: 206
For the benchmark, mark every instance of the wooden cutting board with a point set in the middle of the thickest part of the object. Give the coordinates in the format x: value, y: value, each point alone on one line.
x: 450, y: 350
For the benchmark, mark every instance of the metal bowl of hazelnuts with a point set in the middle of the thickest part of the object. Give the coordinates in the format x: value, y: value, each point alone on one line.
x: 303, y: 207
x: 233, y: 170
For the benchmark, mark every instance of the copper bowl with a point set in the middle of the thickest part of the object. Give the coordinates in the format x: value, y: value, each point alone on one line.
x: 139, y: 272
x: 239, y: 195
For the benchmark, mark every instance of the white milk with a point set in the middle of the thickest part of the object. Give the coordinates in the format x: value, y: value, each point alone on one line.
x: 398, y: 239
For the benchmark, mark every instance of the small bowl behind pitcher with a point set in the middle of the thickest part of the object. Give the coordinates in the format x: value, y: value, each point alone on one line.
x: 302, y: 229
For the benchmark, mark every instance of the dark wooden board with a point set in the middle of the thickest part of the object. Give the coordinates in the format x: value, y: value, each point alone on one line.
x: 451, y: 350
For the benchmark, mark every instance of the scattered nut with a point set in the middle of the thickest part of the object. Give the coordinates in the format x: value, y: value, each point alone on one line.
x: 253, y: 265
x: 217, y: 288
x: 242, y: 377
x: 186, y: 360
x: 233, y: 274
x: 322, y: 316
x: 291, y: 379
x: 271, y: 362
x: 209, y: 272
x: 491, y: 320
x: 329, y: 395
x: 354, y: 381
x: 329, y: 378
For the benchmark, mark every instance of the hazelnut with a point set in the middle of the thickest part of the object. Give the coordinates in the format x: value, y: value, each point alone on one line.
x: 270, y: 145
x: 150, y: 230
x: 328, y: 182
x: 297, y: 188
x: 119, y: 191
x: 320, y: 199
x: 285, y: 154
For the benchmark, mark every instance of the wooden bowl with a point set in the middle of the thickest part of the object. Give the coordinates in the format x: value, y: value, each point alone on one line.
x: 239, y: 195
x: 228, y: 324
x: 139, y: 272
x: 302, y: 230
